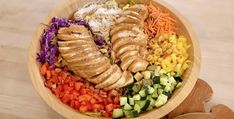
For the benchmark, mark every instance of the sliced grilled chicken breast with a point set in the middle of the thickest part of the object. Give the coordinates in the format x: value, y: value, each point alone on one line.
x: 128, y: 53
x: 74, y: 43
x: 125, y: 48
x: 127, y: 62
x: 130, y: 41
x: 75, y: 59
x: 128, y: 36
x: 141, y: 9
x: 119, y: 83
x: 129, y: 78
x: 138, y: 65
x: 134, y: 14
x: 68, y: 37
x: 100, y: 78
x: 121, y: 27
x: 130, y: 19
x: 94, y: 72
x: 81, y: 48
x: 117, y: 73
x: 123, y: 34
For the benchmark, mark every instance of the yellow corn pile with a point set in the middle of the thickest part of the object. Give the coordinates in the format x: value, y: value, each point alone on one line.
x: 170, y: 53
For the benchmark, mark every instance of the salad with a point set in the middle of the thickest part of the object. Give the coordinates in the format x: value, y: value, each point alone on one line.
x: 114, y: 61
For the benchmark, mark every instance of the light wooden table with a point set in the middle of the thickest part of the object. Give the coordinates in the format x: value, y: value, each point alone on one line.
x: 212, y: 21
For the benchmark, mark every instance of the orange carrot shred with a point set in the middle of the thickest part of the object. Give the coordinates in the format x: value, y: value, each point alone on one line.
x: 158, y: 21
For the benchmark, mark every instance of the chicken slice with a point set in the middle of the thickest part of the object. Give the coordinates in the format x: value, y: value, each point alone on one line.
x: 139, y: 8
x: 120, y: 27
x: 128, y: 53
x: 125, y: 48
x: 94, y: 65
x: 130, y: 41
x: 129, y: 79
x: 74, y: 29
x: 74, y: 43
x: 130, y: 19
x: 94, y: 72
x: 71, y: 37
x: 77, y: 53
x: 143, y: 52
x: 117, y: 73
x: 83, y: 58
x: 138, y: 65
x: 64, y: 50
x: 124, y: 34
x: 102, y: 77
x: 134, y: 14
x: 74, y: 32
x: 120, y: 83
x: 91, y: 61
x: 127, y: 62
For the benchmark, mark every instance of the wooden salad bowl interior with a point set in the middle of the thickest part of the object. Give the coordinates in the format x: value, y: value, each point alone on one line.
x: 66, y: 11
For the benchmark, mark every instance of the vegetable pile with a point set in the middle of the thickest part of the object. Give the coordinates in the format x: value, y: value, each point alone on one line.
x: 114, y: 62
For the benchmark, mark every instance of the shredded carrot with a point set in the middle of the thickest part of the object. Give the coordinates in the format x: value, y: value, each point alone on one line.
x: 159, y: 21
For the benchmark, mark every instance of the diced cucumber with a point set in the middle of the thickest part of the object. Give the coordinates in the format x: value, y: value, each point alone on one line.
x: 117, y: 113
x: 167, y: 88
x: 150, y: 90
x: 140, y: 103
x: 160, y: 91
x: 146, y: 105
x: 138, y: 76
x: 131, y: 101
x: 179, y: 85
x: 150, y: 108
x: 149, y: 97
x: 146, y: 74
x: 164, y: 80
x: 155, y: 94
x: 143, y: 98
x: 162, y: 99
x: 137, y: 108
x: 168, y: 94
x: 137, y: 97
x: 135, y: 113
x: 127, y: 113
x: 178, y: 79
x: 142, y: 93
x: 127, y: 107
x: 162, y: 71
x: 156, y: 80
x: 172, y: 81
x: 123, y: 100
x: 152, y: 101
x: 158, y: 103
x: 137, y: 87
x: 157, y: 86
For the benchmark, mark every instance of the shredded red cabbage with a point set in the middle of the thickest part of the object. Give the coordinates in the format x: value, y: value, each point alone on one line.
x: 48, y: 42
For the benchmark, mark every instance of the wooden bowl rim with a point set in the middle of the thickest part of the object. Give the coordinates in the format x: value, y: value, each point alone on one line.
x: 70, y: 113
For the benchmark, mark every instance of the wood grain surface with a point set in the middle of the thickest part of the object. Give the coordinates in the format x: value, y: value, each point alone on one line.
x: 196, y: 100
x: 217, y: 112
x: 212, y: 21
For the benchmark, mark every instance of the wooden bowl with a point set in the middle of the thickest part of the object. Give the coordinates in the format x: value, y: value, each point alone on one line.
x: 65, y: 11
